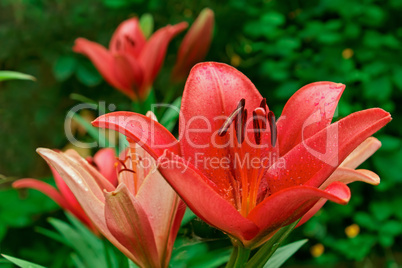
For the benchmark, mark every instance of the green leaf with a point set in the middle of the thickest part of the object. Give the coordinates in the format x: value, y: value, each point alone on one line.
x: 64, y: 67
x: 22, y: 263
x: 188, y: 216
x: 284, y: 253
x: 90, y: 253
x: 269, y: 248
x: 147, y: 24
x: 92, y: 131
x: 88, y: 75
x: 9, y: 75
x: 171, y: 114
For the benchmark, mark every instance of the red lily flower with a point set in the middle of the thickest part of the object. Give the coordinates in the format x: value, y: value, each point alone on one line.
x: 238, y: 168
x: 132, y: 63
x: 195, y: 44
x: 141, y: 216
x: 104, y: 161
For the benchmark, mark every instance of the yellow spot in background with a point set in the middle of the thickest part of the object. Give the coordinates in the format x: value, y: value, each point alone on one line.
x: 248, y: 48
x: 187, y: 13
x: 235, y: 60
x: 347, y: 53
x: 317, y: 250
x: 352, y: 230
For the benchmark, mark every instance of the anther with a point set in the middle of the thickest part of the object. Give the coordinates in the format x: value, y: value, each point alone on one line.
x: 272, y: 125
x: 126, y: 169
x: 263, y: 104
x: 257, y: 130
x: 261, y: 115
x: 237, y: 113
x: 240, y: 127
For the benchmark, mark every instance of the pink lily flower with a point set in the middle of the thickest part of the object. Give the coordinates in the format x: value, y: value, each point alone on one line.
x: 224, y: 123
x: 195, y: 44
x: 132, y: 63
x: 104, y: 161
x: 141, y: 216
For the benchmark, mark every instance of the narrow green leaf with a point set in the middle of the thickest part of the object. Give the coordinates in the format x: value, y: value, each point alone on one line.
x: 83, y: 99
x: 22, y: 263
x: 92, y: 131
x: 9, y: 75
x: 269, y: 248
x: 169, y: 118
x: 53, y: 235
x: 284, y: 253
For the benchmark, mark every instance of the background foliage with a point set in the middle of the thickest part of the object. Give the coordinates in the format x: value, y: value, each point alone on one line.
x: 279, y: 45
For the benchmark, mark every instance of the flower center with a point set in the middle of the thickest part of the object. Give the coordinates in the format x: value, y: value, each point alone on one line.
x: 248, y: 166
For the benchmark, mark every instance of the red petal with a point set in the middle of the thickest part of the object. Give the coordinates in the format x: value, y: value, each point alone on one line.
x: 105, y: 160
x: 129, y: 72
x: 102, y: 60
x: 154, y: 52
x: 195, y: 44
x: 85, y: 189
x: 288, y: 205
x: 344, y: 175
x: 212, y: 93
x: 312, y: 161
x: 361, y: 153
x: 45, y: 188
x: 308, y: 111
x: 161, y: 203
x: 129, y: 224
x: 203, y: 200
x: 102, y: 182
x: 128, y: 38
x: 148, y: 133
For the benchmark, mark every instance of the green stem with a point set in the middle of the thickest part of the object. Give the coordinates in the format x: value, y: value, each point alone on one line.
x: 232, y: 259
x: 239, y: 257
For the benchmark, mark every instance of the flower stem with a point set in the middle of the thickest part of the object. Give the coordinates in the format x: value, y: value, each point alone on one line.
x: 239, y: 257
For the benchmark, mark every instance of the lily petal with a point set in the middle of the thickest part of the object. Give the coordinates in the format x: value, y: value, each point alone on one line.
x: 129, y: 72
x: 43, y: 187
x: 361, y: 153
x: 308, y: 111
x: 195, y: 44
x: 313, y: 160
x: 102, y: 182
x: 85, y: 189
x: 344, y: 175
x: 148, y: 133
x: 105, y: 160
x: 220, y: 87
x: 154, y: 51
x: 128, y: 38
x: 162, y: 207
x: 194, y: 189
x: 288, y: 205
x: 347, y: 175
x: 129, y: 224
x: 102, y: 60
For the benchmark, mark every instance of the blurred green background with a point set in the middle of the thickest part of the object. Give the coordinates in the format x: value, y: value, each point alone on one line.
x: 279, y: 45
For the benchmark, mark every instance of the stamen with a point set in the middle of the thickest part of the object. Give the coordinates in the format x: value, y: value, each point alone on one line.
x: 121, y: 162
x: 240, y: 127
x: 261, y: 116
x: 272, y: 125
x: 235, y: 114
x: 257, y: 130
x: 263, y: 104
x: 225, y: 127
x: 126, y: 169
